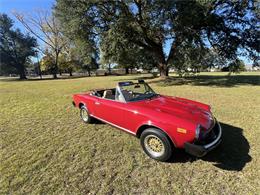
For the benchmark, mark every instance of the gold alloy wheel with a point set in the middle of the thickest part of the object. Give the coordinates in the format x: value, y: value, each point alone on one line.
x: 84, y: 115
x: 154, y: 145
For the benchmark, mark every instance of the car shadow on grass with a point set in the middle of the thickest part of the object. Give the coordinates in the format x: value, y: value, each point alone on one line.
x: 232, y: 154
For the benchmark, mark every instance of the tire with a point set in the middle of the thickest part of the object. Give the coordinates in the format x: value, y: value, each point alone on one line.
x: 156, y: 144
x: 84, y: 115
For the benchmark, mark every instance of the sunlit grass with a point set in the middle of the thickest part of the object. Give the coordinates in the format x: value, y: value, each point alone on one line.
x: 45, y: 148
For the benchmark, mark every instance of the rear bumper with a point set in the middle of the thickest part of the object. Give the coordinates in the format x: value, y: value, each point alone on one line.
x: 201, y: 150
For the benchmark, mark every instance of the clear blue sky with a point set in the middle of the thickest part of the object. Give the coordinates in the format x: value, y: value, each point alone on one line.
x: 24, y: 6
x: 7, y: 6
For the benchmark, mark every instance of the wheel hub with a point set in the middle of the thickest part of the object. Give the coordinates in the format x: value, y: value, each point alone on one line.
x: 154, y: 145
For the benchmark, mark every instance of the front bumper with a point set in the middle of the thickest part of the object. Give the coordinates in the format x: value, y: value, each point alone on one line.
x: 198, y: 150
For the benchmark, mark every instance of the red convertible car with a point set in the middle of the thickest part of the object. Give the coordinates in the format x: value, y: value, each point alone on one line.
x: 161, y: 122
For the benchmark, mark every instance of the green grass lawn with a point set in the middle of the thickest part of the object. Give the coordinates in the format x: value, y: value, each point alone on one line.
x: 46, y: 149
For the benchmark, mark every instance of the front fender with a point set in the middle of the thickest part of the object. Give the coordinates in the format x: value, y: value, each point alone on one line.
x: 179, y: 132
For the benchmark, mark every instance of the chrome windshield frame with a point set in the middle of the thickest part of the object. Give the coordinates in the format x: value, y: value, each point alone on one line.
x: 119, y: 92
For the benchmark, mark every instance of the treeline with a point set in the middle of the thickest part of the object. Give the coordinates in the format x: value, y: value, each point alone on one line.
x: 187, y: 36
x: 54, y: 54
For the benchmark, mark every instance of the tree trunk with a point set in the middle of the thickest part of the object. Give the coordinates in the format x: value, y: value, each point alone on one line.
x: 89, y: 72
x: 109, y: 69
x: 126, y: 70
x: 162, y: 65
x: 55, y: 75
x: 39, y: 67
x: 70, y: 73
x: 40, y: 72
x: 164, y: 71
x: 56, y: 69
x: 22, y: 74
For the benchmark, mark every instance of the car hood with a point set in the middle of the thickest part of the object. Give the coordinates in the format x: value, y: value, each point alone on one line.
x: 193, y: 111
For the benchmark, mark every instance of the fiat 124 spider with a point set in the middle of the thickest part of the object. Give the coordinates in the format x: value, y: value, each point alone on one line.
x: 161, y: 122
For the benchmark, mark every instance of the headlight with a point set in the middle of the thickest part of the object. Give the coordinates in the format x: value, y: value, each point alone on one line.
x: 197, y: 133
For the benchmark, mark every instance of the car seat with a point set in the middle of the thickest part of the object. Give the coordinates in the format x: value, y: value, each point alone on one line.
x: 108, y: 94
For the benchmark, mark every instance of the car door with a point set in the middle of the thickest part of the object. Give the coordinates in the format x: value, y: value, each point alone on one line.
x: 111, y: 111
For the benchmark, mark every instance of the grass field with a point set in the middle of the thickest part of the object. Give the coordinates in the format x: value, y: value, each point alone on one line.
x: 46, y: 149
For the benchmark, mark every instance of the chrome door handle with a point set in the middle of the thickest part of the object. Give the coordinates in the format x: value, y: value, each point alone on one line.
x: 97, y: 103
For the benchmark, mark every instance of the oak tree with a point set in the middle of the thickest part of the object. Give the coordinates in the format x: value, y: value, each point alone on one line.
x: 227, y: 26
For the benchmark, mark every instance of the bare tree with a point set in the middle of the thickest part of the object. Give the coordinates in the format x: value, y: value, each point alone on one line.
x: 46, y: 28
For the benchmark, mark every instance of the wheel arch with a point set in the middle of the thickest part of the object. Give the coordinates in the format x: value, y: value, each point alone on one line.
x: 145, y: 126
x: 82, y: 104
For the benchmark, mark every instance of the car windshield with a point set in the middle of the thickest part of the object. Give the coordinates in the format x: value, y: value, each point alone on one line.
x: 137, y: 91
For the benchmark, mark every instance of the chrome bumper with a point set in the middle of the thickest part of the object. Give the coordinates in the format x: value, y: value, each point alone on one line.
x: 201, y: 150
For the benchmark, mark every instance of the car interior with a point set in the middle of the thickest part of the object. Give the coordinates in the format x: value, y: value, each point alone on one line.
x: 112, y: 95
x: 106, y: 93
x: 128, y: 92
